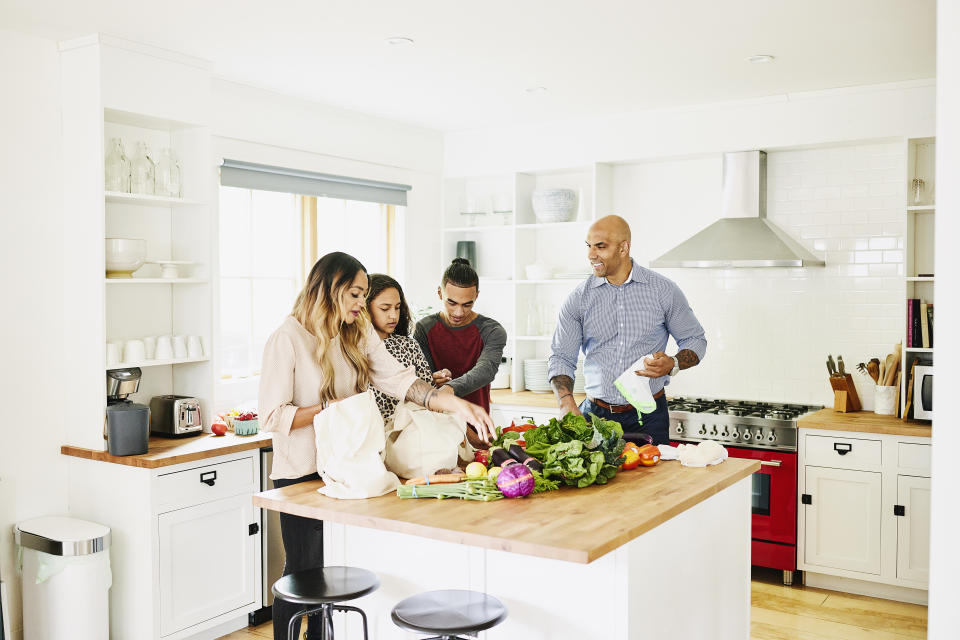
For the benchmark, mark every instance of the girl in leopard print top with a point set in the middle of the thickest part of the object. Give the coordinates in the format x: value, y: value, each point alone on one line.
x: 391, y: 318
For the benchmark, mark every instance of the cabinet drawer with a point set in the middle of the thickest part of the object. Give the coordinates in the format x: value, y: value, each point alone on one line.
x: 842, y: 453
x: 913, y: 458
x: 205, y: 483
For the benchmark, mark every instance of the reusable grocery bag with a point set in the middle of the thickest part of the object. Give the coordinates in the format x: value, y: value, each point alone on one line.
x: 636, y: 389
x: 422, y: 441
x: 350, y: 441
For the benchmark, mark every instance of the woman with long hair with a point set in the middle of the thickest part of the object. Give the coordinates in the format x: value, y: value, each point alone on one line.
x: 324, y: 351
x: 390, y: 316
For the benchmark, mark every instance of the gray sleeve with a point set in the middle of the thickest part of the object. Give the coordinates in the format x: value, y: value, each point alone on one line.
x: 494, y: 338
x: 420, y: 335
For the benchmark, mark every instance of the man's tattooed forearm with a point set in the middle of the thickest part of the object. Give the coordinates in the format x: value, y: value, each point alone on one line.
x: 562, y: 385
x: 687, y: 359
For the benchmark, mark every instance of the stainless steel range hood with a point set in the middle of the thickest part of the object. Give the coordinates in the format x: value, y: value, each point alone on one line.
x: 743, y: 237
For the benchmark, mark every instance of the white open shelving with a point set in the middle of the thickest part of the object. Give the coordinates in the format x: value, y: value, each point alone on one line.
x: 156, y: 363
x: 919, y: 246
x: 117, y: 197
x: 136, y: 281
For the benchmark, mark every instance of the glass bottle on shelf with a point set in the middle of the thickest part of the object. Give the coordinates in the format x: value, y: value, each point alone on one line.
x: 142, y: 171
x: 116, y: 168
x: 533, y: 317
x: 168, y: 179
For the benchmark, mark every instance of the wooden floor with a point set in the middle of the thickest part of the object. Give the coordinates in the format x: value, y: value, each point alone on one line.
x: 793, y: 613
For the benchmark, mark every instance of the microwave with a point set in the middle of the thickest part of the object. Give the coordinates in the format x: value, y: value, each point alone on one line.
x: 923, y: 392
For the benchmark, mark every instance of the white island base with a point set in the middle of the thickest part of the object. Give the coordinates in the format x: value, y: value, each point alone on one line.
x: 688, y: 578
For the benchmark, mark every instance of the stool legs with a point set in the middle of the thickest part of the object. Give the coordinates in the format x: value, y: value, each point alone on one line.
x: 326, y: 620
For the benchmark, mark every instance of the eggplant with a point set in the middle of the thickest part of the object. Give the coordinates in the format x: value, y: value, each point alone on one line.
x: 518, y: 454
x: 638, y: 438
x: 499, y: 457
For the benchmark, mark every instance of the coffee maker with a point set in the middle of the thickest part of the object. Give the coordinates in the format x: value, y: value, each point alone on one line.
x: 127, y: 425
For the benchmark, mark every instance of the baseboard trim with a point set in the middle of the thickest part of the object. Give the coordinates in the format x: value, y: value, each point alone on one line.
x: 864, y: 588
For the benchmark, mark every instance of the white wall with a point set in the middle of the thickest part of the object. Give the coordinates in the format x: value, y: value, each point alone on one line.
x: 944, y: 618
x: 811, y: 118
x: 33, y: 474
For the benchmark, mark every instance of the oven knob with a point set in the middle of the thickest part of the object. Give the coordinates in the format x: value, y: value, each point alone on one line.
x: 772, y: 437
x: 703, y: 430
x: 735, y: 434
x: 758, y: 435
x: 679, y: 427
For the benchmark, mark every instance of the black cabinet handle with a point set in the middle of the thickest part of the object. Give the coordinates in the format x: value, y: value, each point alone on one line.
x: 843, y: 448
x: 806, y: 498
x: 253, y: 529
x: 208, y: 478
x: 899, y: 510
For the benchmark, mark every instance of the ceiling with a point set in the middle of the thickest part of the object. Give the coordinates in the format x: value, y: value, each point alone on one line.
x: 471, y: 62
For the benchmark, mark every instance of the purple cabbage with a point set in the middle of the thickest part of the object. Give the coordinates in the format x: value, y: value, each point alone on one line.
x: 515, y: 481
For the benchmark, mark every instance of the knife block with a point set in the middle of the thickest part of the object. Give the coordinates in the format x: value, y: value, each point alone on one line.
x: 845, y: 398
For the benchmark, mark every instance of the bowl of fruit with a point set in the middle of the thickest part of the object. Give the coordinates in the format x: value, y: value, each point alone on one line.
x: 246, y: 423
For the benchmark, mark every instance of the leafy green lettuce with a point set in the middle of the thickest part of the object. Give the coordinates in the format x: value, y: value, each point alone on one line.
x: 577, y: 452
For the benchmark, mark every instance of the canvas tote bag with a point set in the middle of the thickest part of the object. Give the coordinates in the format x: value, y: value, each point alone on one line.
x: 421, y: 441
x: 350, y: 440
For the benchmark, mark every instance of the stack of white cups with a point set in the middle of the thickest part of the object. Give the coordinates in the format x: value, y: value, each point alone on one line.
x: 166, y: 347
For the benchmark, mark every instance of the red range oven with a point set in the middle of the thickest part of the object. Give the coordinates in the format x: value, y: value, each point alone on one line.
x: 756, y: 431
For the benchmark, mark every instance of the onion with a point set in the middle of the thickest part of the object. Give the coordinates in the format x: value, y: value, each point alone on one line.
x: 515, y: 481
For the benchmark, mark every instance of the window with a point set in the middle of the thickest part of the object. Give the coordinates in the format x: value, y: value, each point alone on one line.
x: 269, y: 241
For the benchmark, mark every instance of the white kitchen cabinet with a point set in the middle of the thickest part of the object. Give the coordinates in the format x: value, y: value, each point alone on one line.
x: 207, y: 555
x: 913, y: 528
x: 851, y: 536
x: 843, y: 519
x: 185, y: 558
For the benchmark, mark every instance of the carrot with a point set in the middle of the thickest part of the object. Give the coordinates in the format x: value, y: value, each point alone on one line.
x: 443, y: 478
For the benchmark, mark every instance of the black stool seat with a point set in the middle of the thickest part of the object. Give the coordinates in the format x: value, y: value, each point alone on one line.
x: 329, y: 584
x: 449, y: 612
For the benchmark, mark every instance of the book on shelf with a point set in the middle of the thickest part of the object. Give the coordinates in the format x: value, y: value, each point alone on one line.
x: 919, y: 323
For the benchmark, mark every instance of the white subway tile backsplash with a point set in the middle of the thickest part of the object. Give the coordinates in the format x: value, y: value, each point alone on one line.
x: 846, y: 203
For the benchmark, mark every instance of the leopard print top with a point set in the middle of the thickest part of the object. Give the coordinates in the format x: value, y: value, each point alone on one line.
x: 407, y: 352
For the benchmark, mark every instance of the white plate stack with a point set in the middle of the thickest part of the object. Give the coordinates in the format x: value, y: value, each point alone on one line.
x: 535, y: 375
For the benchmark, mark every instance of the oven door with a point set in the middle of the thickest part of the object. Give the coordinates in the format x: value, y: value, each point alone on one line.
x: 774, y: 494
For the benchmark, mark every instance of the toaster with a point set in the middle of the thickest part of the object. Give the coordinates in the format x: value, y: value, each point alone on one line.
x: 175, y: 416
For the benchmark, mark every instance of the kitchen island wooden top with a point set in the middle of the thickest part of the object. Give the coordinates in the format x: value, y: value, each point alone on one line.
x: 528, y: 398
x: 864, y: 422
x: 576, y: 525
x: 163, y: 452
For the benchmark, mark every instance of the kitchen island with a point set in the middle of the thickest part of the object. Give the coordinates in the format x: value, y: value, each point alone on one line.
x: 661, y: 552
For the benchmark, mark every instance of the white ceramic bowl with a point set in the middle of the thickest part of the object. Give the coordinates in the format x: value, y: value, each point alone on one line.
x: 538, y: 272
x: 554, y: 205
x: 124, y: 256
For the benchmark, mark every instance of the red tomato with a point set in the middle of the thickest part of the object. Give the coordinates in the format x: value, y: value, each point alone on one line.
x: 218, y: 429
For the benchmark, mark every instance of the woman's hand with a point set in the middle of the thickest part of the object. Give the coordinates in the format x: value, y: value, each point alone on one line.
x: 473, y: 414
x: 441, y: 377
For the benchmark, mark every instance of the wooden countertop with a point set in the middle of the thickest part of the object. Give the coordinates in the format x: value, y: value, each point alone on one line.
x: 528, y: 398
x: 864, y: 422
x: 575, y: 525
x: 163, y: 452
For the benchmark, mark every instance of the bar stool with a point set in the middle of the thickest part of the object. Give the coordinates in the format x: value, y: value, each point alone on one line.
x: 321, y: 590
x: 448, y: 613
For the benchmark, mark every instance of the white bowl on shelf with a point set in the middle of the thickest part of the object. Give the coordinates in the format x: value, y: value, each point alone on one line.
x: 554, y: 205
x: 124, y: 256
x: 538, y: 272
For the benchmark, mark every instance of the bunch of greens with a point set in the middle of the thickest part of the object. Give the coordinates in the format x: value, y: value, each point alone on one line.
x: 577, y: 452
x: 541, y: 484
x: 504, y: 439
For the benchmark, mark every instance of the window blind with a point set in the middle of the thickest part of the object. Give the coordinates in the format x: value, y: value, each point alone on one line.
x: 249, y: 175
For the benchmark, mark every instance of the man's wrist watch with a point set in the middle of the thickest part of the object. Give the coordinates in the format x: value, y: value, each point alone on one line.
x: 676, y: 366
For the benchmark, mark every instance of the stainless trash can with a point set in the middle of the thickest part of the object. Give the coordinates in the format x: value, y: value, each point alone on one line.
x: 65, y: 566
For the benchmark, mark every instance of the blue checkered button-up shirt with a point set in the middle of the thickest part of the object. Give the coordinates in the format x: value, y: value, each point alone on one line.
x: 614, y: 326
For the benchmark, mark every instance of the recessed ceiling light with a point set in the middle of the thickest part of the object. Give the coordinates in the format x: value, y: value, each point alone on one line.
x: 760, y: 59
x: 400, y: 41
x: 535, y: 90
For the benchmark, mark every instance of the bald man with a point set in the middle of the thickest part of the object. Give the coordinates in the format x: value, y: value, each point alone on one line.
x: 616, y: 316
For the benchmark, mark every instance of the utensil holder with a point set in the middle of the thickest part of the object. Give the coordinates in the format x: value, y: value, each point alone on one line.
x: 845, y: 398
x: 885, y: 401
